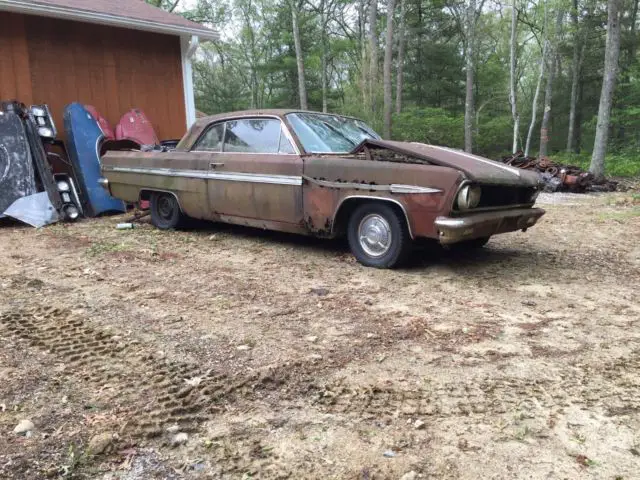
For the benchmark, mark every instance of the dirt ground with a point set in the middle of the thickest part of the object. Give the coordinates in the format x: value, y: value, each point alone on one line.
x: 224, y: 352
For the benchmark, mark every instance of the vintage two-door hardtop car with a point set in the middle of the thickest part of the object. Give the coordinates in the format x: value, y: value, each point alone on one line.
x: 326, y: 175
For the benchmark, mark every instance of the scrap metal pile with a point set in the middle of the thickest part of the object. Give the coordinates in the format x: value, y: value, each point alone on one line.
x: 45, y: 179
x: 560, y: 178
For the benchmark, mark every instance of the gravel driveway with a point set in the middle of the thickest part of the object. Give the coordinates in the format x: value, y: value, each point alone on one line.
x: 225, y: 352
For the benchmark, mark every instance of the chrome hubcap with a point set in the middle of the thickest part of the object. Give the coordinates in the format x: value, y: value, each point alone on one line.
x: 374, y: 233
x: 165, y: 208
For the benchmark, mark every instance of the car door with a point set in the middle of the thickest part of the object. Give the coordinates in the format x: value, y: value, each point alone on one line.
x: 257, y: 172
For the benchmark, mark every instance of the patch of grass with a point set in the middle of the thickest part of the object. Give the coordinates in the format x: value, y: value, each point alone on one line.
x: 620, y: 164
x: 76, y: 459
x: 523, y: 433
x: 579, y: 438
x: 103, y: 247
x: 620, y: 216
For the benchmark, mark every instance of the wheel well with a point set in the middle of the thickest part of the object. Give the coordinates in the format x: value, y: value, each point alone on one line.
x: 145, y: 194
x: 348, y: 206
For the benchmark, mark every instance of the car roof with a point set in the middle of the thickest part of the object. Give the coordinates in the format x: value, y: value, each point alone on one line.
x: 269, y: 112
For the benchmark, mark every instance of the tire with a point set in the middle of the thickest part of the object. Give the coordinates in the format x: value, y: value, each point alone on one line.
x: 378, y: 236
x: 165, y: 211
x: 468, y: 245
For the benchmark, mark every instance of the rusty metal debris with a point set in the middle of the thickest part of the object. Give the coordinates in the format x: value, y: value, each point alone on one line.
x: 558, y: 177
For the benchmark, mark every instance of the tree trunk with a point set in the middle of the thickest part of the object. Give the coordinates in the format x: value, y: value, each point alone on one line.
x: 302, y: 89
x: 513, y: 100
x: 634, y: 38
x: 373, y: 55
x: 575, y: 75
x: 362, y: 24
x: 534, y: 108
x: 612, y: 52
x: 470, y: 21
x: 388, y: 59
x: 543, y: 62
x: 575, y: 87
x: 548, y: 92
x: 323, y: 67
x: 546, y: 112
x: 577, y: 135
x: 400, y: 71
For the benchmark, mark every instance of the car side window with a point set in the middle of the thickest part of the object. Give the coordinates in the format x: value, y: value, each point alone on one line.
x: 255, y: 135
x: 285, y: 143
x: 211, y: 140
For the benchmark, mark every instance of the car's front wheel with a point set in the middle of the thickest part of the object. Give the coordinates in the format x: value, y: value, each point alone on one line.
x: 378, y: 235
x: 165, y: 211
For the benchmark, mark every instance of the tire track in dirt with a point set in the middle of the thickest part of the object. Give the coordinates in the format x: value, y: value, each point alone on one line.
x: 612, y: 387
x: 168, y: 393
x: 162, y: 392
x: 158, y: 393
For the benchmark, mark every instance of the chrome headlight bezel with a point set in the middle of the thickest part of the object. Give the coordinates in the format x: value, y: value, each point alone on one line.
x: 468, y: 197
x: 534, y: 196
x: 41, y: 116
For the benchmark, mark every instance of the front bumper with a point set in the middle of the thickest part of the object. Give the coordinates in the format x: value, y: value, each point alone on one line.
x: 458, y: 229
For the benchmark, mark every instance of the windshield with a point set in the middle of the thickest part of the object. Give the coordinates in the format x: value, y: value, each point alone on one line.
x: 321, y: 133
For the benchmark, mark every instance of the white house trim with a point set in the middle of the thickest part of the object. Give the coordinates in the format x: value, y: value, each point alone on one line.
x: 188, y: 46
x: 20, y: 6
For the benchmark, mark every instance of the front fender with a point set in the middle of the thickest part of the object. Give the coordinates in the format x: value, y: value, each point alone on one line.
x: 423, y: 192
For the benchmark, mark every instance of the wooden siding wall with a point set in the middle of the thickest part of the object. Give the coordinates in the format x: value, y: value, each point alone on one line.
x: 45, y: 60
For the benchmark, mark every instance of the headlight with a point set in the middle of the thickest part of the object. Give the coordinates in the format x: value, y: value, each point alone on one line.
x: 71, y: 212
x: 46, y: 132
x: 38, y: 111
x: 469, y: 197
x: 63, y: 186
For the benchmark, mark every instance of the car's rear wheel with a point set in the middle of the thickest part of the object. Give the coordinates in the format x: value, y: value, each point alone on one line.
x: 165, y: 211
x: 378, y: 235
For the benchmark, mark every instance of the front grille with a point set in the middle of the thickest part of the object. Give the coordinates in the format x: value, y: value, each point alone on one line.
x: 500, y: 196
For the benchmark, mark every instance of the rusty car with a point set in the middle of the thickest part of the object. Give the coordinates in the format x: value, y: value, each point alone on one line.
x: 326, y: 175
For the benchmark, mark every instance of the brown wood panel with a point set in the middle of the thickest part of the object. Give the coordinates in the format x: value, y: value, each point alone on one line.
x: 111, y: 68
x: 15, y: 82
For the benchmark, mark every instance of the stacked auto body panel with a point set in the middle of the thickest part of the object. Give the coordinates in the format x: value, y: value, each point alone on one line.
x: 558, y: 177
x: 28, y: 189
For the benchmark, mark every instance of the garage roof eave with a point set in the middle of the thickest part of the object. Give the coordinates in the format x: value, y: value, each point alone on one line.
x: 29, y: 8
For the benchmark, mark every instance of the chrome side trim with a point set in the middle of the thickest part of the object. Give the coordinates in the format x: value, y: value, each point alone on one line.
x: 104, y: 183
x: 393, y: 188
x: 361, y: 186
x: 370, y: 197
x: 256, y: 178
x: 209, y: 175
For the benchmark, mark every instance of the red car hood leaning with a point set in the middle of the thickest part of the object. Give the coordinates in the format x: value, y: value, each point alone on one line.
x: 475, y: 168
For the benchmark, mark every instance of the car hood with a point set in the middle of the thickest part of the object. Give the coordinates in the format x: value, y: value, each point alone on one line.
x: 475, y: 168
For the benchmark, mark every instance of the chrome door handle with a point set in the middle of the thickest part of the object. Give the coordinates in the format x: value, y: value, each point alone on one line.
x: 216, y: 164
